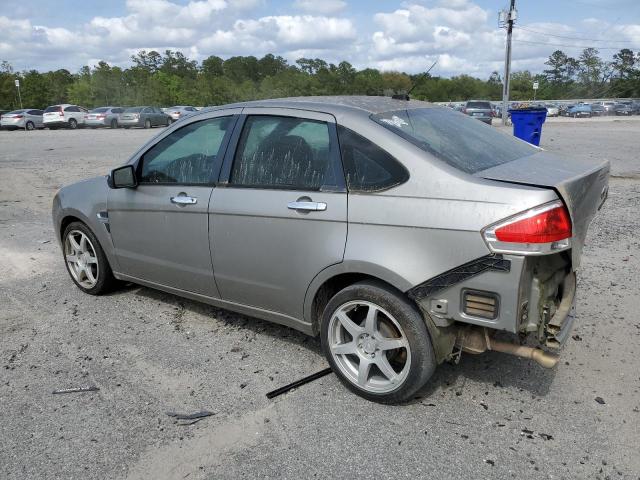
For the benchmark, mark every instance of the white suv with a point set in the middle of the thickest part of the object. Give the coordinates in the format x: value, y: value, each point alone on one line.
x: 64, y: 115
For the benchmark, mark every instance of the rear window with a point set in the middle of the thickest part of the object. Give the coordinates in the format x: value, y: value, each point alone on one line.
x: 15, y: 112
x: 133, y: 110
x: 458, y: 140
x: 54, y: 108
x: 100, y: 110
x: 485, y: 105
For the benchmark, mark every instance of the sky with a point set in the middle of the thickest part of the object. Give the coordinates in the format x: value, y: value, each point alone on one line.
x: 462, y: 35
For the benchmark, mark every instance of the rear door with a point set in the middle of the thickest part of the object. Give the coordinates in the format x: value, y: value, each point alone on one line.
x: 160, y: 229
x: 279, y: 214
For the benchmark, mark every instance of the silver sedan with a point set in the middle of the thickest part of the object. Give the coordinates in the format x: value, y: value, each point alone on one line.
x: 401, y: 233
x: 103, y: 117
x: 28, y: 119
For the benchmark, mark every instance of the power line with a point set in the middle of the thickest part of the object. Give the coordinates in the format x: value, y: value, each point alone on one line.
x: 598, y: 47
x: 572, y: 38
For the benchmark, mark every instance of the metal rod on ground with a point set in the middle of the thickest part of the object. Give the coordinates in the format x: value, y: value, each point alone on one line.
x: 507, y: 63
x: 297, y: 383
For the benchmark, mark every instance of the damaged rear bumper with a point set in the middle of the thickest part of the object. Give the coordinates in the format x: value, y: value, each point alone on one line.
x: 531, y: 297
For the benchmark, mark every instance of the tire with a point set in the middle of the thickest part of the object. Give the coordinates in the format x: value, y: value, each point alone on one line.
x: 114, y: 123
x: 30, y: 126
x: 406, y: 348
x: 169, y: 121
x: 100, y: 279
x: 73, y: 123
x: 147, y: 123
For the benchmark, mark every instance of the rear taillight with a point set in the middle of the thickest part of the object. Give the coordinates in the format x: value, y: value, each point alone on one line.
x: 540, y: 230
x: 18, y: 116
x: 61, y: 113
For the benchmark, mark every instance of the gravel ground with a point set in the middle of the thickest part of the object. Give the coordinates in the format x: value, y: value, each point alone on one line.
x: 149, y: 352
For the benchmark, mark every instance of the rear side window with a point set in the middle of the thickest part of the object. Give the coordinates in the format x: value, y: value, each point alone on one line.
x: 368, y: 168
x: 186, y: 156
x: 284, y: 153
x: 35, y: 112
x: 54, y: 108
x: 459, y: 140
x: 72, y: 109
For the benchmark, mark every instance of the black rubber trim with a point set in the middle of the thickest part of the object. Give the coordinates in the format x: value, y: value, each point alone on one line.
x: 493, y: 262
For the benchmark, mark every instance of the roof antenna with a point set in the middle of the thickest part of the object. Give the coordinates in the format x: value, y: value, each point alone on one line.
x: 405, y: 96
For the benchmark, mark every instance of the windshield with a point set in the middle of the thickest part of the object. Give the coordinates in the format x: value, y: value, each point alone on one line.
x: 485, y: 105
x: 133, y: 110
x: 459, y: 140
x: 100, y: 110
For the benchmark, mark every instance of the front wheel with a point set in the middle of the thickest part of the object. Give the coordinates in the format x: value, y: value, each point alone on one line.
x: 377, y: 342
x: 114, y: 123
x: 30, y: 126
x: 85, y: 260
x: 147, y: 124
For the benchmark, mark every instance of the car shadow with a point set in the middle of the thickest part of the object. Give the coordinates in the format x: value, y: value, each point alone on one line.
x: 492, y: 369
x: 228, y: 317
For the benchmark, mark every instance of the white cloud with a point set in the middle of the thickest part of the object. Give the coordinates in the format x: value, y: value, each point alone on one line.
x: 323, y: 7
x: 461, y: 35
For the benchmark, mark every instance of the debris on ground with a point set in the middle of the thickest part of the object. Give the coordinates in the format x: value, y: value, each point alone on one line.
x: 297, y: 383
x: 190, y: 418
x: 88, y: 388
x: 600, y: 400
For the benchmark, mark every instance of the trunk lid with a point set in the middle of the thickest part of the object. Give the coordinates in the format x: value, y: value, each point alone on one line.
x: 583, y: 185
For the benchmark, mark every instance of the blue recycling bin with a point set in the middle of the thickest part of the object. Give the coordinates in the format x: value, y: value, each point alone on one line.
x: 527, y: 123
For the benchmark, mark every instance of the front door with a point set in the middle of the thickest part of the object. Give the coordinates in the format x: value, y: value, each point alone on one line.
x: 279, y: 216
x: 160, y: 229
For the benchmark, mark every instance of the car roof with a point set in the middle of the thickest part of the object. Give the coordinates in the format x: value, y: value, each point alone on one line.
x: 334, y: 105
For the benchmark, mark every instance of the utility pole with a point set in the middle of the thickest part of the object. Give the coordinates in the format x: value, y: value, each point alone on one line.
x: 508, y: 19
x: 19, y: 96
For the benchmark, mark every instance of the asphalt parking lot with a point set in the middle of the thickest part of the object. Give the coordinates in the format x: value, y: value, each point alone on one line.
x: 491, y: 416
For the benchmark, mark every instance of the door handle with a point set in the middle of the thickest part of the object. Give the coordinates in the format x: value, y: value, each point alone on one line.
x: 184, y: 200
x: 307, y: 206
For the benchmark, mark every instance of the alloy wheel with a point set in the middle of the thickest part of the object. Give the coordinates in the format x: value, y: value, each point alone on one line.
x: 369, y: 347
x: 81, y: 259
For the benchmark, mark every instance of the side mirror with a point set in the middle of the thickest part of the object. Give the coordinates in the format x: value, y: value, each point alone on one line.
x: 123, y: 177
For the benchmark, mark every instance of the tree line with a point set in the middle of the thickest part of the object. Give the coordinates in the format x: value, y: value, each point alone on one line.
x: 170, y: 78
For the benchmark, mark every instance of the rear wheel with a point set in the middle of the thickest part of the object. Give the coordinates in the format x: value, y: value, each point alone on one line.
x: 377, y: 342
x: 85, y: 260
x: 147, y: 123
x: 73, y: 123
x: 30, y: 126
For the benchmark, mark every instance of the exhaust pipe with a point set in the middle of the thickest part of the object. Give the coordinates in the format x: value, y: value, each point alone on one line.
x: 474, y: 340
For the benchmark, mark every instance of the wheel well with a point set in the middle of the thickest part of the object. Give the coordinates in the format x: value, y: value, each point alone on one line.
x: 66, y: 221
x: 329, y: 288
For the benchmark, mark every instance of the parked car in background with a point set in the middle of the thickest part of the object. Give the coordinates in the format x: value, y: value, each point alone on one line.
x: 400, y: 233
x: 597, y: 110
x: 178, y: 112
x: 28, y: 119
x: 623, y: 109
x: 479, y: 109
x: 146, y: 117
x: 552, y: 109
x: 609, y: 107
x: 104, y: 117
x: 633, y: 106
x: 64, y: 115
x: 579, y: 110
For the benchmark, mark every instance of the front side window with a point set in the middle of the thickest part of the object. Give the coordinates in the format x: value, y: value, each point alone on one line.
x: 459, y: 140
x: 283, y: 152
x: 186, y: 156
x: 72, y: 109
x: 368, y: 168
